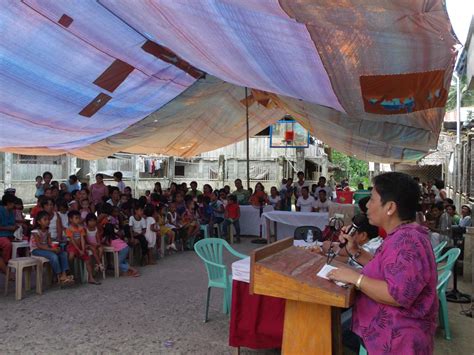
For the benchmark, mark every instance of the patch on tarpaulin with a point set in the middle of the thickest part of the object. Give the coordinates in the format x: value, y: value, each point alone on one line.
x: 403, y: 93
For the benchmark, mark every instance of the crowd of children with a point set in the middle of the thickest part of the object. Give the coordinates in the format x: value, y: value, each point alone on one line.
x: 76, y: 221
x: 73, y: 220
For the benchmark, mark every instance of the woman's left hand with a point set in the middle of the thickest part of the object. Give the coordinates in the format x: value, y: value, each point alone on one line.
x: 344, y: 274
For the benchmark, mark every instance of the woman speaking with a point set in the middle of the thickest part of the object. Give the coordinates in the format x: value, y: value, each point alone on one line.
x: 397, y: 306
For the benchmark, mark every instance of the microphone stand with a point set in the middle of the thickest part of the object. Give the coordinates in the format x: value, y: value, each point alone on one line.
x: 455, y: 295
x: 260, y: 240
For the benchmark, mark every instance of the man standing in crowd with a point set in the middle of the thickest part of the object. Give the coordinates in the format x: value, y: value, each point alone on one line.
x: 73, y: 183
x: 322, y: 186
x: 194, y: 192
x: 241, y: 194
x: 286, y: 194
x: 298, y: 185
x: 305, y: 203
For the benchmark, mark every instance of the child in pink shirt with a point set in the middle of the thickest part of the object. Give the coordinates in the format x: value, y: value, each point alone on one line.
x: 122, y: 248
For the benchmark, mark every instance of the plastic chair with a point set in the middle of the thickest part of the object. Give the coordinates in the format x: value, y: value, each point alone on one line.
x: 362, y: 350
x: 108, y: 249
x: 210, y: 251
x: 301, y: 232
x: 443, y: 312
x: 205, y: 230
x: 23, y: 264
x: 439, y: 248
x: 218, y: 227
x: 451, y: 255
x: 43, y: 264
x: 20, y: 245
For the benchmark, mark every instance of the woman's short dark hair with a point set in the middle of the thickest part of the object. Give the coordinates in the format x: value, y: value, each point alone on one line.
x: 401, y: 189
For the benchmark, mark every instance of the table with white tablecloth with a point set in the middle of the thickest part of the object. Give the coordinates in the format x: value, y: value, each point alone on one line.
x: 286, y: 222
x: 250, y: 219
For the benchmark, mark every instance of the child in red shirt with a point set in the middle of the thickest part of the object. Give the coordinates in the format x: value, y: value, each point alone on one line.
x: 231, y: 216
x: 76, y: 235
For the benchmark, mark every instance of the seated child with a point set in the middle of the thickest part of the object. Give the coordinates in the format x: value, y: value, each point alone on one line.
x: 94, y: 240
x: 137, y: 225
x: 39, y: 186
x: 204, y: 209
x: 152, y: 230
x: 41, y: 245
x: 20, y: 216
x: 122, y: 248
x: 76, y: 248
x: 114, y: 219
x: 166, y: 229
x: 172, y: 217
x: 85, y: 209
x: 232, y: 215
x: 189, y: 222
x: 61, y: 207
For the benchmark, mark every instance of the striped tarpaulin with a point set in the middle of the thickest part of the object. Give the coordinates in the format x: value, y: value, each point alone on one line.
x: 167, y: 76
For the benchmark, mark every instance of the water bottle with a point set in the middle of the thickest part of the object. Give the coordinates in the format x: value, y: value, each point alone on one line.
x: 309, y: 236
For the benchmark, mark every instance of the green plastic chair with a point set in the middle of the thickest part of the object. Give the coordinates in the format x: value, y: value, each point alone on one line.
x: 451, y: 255
x: 362, y: 350
x: 210, y: 251
x: 443, y: 309
x: 439, y: 248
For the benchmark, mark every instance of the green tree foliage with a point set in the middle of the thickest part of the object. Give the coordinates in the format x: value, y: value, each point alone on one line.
x: 467, y: 96
x: 357, y: 171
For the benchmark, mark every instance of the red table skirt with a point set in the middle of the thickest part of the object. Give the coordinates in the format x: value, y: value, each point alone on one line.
x: 256, y: 321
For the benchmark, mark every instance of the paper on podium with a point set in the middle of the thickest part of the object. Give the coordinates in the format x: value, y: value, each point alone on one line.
x: 325, y: 271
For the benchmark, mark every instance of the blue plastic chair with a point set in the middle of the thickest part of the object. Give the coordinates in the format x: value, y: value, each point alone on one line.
x: 210, y: 251
x: 439, y: 248
x: 451, y: 255
x: 443, y: 309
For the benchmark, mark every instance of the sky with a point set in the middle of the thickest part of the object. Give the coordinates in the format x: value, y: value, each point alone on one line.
x: 460, y: 13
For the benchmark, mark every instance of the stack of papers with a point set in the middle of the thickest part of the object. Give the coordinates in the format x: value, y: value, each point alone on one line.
x: 325, y: 271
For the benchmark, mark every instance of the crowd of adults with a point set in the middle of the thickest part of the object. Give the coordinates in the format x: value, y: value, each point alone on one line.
x: 399, y: 223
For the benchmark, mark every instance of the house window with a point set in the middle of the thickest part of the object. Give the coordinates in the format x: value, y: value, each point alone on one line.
x: 179, y: 170
x: 37, y: 159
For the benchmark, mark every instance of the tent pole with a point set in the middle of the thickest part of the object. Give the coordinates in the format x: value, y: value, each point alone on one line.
x: 248, y: 138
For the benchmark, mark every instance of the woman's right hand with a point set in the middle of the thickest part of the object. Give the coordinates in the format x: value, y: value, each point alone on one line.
x: 352, y: 246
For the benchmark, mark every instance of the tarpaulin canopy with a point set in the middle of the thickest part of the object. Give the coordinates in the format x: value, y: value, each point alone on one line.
x: 90, y: 78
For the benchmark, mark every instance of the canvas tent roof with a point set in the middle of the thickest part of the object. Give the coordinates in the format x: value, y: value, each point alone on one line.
x: 92, y: 78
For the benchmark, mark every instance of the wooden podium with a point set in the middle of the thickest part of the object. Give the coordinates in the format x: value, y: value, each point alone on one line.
x: 312, y: 322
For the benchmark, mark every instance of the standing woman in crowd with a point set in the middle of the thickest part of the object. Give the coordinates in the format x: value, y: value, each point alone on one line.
x: 465, y: 216
x: 99, y: 190
x: 157, y: 189
x: 396, y: 308
x: 274, y: 198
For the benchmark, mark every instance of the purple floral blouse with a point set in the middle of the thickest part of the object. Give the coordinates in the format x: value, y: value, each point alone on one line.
x: 406, y: 262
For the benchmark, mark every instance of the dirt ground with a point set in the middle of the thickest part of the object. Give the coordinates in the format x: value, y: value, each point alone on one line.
x: 160, y: 312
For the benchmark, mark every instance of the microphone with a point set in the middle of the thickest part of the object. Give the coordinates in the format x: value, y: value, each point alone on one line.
x: 357, y: 222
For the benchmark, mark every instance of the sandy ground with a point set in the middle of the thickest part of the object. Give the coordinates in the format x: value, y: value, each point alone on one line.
x: 160, y: 312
